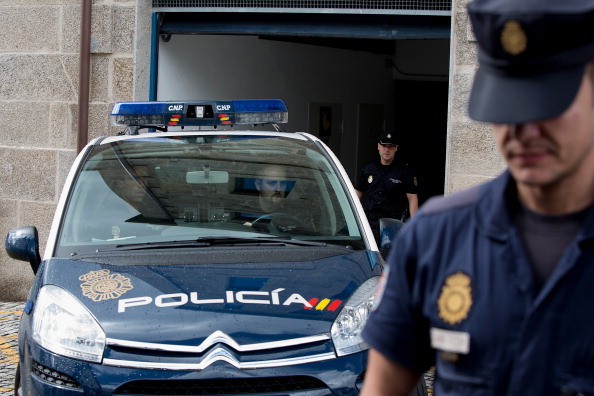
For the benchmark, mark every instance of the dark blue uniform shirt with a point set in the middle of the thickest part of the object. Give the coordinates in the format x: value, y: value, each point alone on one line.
x: 385, y: 188
x: 460, y: 279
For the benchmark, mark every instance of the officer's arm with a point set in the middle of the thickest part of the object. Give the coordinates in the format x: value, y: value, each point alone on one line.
x: 384, y: 377
x: 413, y: 203
x: 359, y: 193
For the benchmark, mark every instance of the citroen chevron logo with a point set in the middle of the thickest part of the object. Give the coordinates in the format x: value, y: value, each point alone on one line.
x: 220, y: 354
x: 218, y: 337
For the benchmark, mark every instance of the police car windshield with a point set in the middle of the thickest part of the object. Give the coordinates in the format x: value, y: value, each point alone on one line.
x: 160, y: 187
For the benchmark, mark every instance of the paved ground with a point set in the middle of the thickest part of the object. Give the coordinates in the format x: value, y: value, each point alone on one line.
x: 10, y: 314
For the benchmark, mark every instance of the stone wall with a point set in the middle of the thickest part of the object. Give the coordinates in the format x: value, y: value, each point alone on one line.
x: 472, y: 155
x: 39, y: 63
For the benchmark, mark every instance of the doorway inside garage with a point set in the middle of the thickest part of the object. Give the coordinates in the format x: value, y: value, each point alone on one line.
x: 344, y: 78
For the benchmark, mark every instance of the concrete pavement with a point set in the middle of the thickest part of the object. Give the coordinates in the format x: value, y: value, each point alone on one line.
x: 10, y: 314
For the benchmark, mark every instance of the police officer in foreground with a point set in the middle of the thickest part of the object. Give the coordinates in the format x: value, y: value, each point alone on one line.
x: 494, y: 286
x: 386, y: 187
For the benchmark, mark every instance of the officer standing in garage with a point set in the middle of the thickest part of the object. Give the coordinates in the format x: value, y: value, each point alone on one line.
x: 387, y: 188
x: 493, y: 285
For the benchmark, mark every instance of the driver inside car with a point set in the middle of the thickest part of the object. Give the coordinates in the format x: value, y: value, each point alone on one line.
x: 278, y: 214
x: 272, y: 188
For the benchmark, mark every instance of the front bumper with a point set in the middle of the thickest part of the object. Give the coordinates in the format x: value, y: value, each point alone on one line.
x: 44, y: 373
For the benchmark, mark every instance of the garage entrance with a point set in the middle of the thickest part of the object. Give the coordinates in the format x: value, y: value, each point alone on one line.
x: 344, y: 77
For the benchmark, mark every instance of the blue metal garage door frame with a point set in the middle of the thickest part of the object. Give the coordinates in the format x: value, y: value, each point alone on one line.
x: 312, y: 25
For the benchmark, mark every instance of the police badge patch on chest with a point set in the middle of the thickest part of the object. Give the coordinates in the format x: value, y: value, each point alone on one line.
x: 455, y: 299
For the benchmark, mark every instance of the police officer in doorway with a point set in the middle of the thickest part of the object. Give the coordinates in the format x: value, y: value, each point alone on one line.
x: 494, y: 285
x: 386, y: 187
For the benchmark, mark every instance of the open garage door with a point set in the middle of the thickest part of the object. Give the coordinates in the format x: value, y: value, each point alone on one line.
x: 344, y: 76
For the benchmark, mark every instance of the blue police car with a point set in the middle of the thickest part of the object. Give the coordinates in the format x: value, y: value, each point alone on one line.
x: 189, y: 258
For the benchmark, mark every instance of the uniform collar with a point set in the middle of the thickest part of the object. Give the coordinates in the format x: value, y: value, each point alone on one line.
x: 379, y: 162
x: 495, y: 205
x: 499, y: 201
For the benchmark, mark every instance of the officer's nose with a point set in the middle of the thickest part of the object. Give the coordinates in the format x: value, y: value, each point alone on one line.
x: 523, y: 131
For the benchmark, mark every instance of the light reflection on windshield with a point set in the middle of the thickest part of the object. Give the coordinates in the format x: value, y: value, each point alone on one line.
x: 163, y: 189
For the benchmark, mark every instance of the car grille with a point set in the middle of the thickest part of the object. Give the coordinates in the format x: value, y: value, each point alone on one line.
x: 216, y: 348
x: 237, y: 386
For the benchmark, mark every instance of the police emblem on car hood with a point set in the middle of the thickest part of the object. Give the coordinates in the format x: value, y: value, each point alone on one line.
x: 102, y: 285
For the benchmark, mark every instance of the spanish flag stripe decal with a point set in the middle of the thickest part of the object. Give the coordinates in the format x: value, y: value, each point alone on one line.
x: 323, y: 304
x: 335, y: 304
x: 312, y: 302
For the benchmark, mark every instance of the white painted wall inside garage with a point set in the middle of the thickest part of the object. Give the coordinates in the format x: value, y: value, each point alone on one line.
x: 207, y: 67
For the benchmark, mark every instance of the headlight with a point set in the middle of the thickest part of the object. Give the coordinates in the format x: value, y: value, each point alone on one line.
x: 346, y: 330
x: 63, y: 325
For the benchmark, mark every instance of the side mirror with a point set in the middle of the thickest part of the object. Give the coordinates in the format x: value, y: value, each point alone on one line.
x: 388, y: 229
x: 22, y: 243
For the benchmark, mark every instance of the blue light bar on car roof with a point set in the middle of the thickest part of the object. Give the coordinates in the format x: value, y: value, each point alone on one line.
x: 200, y: 113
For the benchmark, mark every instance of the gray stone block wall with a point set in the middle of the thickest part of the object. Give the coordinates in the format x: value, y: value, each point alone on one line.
x: 39, y: 63
x: 472, y: 155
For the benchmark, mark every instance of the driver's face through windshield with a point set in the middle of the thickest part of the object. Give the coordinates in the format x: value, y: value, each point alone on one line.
x: 272, y: 188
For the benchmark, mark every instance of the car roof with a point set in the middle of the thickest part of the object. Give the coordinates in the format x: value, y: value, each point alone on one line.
x: 302, y: 136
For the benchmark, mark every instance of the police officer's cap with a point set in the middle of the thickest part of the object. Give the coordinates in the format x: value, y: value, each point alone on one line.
x: 388, y: 138
x: 532, y: 56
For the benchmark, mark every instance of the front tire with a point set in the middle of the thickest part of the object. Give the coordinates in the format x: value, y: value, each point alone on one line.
x: 18, y: 390
x: 421, y: 389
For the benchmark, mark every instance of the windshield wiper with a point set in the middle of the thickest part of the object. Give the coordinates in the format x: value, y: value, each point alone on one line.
x: 281, y: 240
x: 157, y: 245
x: 216, y: 241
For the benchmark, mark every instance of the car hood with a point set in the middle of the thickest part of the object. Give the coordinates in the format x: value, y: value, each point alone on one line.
x: 184, y: 304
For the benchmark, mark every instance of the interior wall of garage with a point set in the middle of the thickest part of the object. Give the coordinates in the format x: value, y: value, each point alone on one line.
x: 305, y: 76
x: 366, y: 92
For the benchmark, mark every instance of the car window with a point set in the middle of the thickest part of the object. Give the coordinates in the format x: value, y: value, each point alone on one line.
x: 158, y: 189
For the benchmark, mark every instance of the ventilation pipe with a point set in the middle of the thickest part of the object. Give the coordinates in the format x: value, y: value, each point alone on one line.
x: 84, y: 75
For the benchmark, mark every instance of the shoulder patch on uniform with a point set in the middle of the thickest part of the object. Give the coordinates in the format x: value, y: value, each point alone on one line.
x: 456, y: 200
